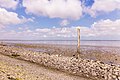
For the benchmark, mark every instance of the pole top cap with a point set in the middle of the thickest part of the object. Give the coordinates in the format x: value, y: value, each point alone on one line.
x: 77, y: 27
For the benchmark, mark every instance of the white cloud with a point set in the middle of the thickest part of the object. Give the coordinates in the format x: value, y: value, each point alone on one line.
x: 64, y: 22
x: 105, y: 6
x: 56, y: 32
x: 2, y: 26
x: 106, y: 28
x: 10, y: 4
x: 65, y: 9
x: 44, y: 30
x: 7, y: 18
x: 103, y: 29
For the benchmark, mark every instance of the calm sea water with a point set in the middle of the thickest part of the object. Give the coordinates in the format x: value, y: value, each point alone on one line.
x: 68, y: 42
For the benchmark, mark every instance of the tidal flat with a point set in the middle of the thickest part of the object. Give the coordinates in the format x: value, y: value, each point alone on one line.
x: 92, y: 63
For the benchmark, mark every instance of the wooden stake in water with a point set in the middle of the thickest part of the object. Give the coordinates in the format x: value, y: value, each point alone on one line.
x: 78, y: 44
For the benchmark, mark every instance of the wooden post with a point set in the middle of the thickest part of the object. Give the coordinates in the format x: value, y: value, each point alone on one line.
x: 78, y: 44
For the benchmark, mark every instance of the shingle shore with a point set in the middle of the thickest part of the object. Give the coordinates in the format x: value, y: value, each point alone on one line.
x: 82, y: 67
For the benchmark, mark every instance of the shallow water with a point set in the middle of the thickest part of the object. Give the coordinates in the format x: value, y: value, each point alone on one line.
x: 68, y: 42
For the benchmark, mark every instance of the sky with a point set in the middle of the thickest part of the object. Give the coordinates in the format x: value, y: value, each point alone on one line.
x: 58, y: 19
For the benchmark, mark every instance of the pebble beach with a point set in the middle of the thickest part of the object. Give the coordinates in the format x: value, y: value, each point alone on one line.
x: 94, y: 63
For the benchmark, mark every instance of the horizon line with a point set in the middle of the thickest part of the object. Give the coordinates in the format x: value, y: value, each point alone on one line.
x: 54, y: 40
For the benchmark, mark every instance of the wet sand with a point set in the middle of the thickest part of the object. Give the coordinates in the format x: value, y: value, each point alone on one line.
x: 14, y: 69
x: 23, y: 70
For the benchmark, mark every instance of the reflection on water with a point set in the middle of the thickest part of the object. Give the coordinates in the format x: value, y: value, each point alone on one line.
x: 101, y: 43
x: 69, y: 42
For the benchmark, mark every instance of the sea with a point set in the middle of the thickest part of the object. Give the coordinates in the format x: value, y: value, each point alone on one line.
x: 114, y: 43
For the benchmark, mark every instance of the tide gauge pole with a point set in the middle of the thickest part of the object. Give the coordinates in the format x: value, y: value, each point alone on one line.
x: 78, y: 41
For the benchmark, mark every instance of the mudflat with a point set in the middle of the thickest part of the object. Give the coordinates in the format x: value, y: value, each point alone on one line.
x: 106, y: 54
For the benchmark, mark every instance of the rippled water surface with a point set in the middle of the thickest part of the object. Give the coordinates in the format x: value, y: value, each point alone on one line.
x: 68, y: 42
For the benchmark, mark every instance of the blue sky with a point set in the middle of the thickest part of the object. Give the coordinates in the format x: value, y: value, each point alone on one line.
x: 58, y: 19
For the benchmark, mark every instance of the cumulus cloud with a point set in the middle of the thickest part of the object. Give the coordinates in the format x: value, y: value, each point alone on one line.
x: 7, y: 18
x: 103, y: 29
x: 10, y: 4
x: 106, y: 28
x: 105, y: 6
x: 40, y: 33
x: 2, y: 26
x: 64, y: 22
x: 70, y: 9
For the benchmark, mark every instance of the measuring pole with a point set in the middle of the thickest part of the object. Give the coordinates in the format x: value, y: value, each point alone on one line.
x: 78, y: 44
